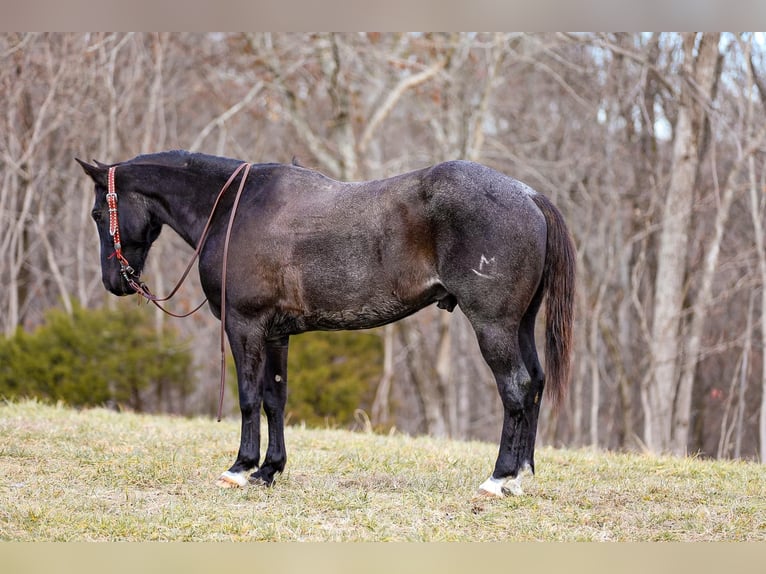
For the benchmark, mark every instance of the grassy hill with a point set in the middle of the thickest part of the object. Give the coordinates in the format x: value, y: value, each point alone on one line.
x: 70, y: 475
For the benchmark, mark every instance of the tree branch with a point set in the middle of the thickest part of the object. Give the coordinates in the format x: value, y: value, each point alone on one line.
x: 393, y: 98
x: 225, y: 116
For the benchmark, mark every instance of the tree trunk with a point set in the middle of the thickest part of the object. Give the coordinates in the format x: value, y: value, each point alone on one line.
x: 666, y: 347
x: 757, y: 213
x: 430, y: 390
x: 381, y: 411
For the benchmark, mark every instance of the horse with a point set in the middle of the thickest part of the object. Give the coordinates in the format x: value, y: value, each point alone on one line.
x: 301, y: 251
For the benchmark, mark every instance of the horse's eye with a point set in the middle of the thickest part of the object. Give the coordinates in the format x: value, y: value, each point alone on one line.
x: 96, y: 215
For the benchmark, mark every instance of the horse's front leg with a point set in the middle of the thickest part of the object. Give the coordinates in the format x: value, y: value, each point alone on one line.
x: 275, y: 396
x: 248, y: 349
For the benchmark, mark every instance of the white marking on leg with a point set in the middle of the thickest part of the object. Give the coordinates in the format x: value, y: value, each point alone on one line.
x: 492, y: 486
x: 501, y: 486
x: 513, y: 486
x: 233, y: 480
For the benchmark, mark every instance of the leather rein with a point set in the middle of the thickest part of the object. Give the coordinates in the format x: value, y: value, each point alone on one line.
x: 133, y: 279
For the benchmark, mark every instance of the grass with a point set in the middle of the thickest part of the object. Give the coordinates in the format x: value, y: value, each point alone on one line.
x: 69, y: 475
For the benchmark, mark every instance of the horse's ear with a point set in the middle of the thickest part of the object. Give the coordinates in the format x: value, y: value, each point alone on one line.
x: 96, y: 172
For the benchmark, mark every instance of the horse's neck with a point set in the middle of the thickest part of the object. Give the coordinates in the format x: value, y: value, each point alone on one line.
x: 188, y: 207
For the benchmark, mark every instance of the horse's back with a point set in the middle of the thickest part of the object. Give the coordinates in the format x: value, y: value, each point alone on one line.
x: 355, y: 255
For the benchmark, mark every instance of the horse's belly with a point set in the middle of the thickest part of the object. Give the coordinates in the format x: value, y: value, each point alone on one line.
x: 359, y: 308
x: 364, y: 317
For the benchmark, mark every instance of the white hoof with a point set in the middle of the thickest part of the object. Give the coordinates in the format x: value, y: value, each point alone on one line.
x: 501, y: 486
x: 232, y: 480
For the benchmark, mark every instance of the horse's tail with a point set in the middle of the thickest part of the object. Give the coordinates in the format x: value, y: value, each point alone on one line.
x: 558, y: 282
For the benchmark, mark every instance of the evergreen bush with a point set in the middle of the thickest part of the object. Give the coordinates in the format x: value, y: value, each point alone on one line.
x: 331, y: 374
x: 95, y: 357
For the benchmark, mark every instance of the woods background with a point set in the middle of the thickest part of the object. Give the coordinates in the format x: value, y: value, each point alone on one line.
x: 652, y: 146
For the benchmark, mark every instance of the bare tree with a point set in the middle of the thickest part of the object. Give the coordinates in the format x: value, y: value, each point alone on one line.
x: 700, y: 76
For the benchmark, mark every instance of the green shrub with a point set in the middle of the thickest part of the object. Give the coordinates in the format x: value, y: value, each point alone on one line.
x: 94, y: 357
x: 331, y: 374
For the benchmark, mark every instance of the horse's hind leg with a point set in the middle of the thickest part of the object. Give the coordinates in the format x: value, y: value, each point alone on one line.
x: 501, y: 350
x: 275, y: 396
x: 520, y: 416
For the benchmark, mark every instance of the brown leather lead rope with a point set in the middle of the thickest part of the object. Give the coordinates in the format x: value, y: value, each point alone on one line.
x: 223, y: 284
x: 141, y: 288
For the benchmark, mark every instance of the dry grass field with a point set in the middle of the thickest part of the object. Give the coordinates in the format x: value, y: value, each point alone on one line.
x: 97, y: 475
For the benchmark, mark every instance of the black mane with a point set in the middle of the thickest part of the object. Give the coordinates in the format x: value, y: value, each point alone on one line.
x: 171, y: 158
x: 182, y: 159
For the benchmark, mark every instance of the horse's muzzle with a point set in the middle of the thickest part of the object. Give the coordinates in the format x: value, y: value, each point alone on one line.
x: 117, y: 285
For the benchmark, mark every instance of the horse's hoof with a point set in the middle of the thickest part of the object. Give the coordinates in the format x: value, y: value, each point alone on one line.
x: 500, y: 487
x: 258, y: 479
x: 485, y: 493
x: 232, y: 480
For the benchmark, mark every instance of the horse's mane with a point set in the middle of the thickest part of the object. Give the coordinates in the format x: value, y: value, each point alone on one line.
x: 186, y: 160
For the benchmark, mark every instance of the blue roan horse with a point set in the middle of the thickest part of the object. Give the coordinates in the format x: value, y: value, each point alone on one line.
x: 306, y: 252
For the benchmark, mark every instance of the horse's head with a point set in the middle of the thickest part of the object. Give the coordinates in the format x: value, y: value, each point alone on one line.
x: 138, y: 227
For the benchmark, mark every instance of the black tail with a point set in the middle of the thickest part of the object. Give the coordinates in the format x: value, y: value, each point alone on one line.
x: 559, y: 286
